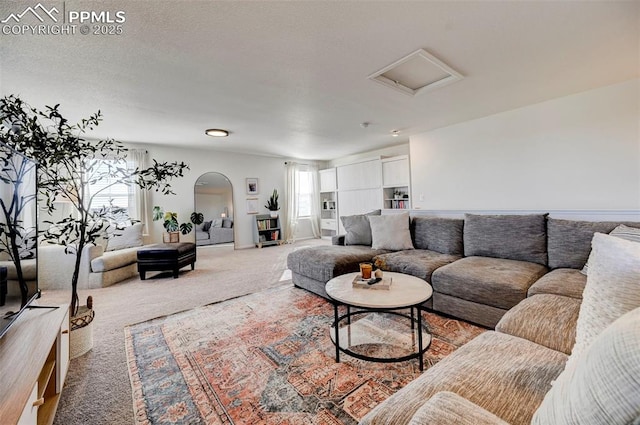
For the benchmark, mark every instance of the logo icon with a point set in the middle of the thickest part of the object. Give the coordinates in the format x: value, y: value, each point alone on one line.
x: 33, y: 11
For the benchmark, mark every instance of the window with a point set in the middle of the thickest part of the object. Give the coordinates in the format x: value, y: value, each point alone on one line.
x: 106, y: 191
x: 305, y: 193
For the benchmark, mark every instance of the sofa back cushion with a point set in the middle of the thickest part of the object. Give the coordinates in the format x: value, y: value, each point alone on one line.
x: 569, y: 241
x: 358, y: 228
x: 443, y: 235
x: 131, y: 236
x: 512, y: 237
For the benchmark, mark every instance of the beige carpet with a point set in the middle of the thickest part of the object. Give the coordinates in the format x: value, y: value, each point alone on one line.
x: 97, y: 390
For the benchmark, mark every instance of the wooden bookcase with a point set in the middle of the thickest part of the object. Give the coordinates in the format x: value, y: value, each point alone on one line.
x: 267, y: 230
x: 34, y: 358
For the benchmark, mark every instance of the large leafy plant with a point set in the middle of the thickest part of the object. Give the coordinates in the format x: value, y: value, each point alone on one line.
x: 170, y: 220
x: 68, y: 164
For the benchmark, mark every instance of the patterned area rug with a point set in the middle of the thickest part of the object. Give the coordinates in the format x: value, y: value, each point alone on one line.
x: 265, y: 358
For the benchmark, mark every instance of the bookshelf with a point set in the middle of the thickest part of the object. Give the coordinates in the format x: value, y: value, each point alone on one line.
x: 267, y: 230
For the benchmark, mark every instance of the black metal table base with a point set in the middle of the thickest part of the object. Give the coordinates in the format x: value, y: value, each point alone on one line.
x: 416, y: 323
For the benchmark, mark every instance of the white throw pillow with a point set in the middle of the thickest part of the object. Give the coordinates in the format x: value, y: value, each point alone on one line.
x: 390, y: 232
x: 130, y: 237
x: 612, y: 290
x: 622, y: 232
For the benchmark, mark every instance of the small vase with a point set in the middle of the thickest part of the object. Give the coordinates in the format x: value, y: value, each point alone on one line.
x: 274, y: 214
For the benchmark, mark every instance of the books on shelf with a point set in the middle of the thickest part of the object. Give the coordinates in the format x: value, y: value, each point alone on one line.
x: 274, y: 235
x: 264, y: 224
x: 399, y: 204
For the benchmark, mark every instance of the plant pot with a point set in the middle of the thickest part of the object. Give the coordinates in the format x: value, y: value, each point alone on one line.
x: 81, y: 336
x: 171, y: 237
x: 274, y: 214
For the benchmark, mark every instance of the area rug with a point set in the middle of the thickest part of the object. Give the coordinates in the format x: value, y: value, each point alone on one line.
x: 265, y: 358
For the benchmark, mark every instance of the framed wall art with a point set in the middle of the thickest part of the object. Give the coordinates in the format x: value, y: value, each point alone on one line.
x: 252, y: 205
x: 252, y: 186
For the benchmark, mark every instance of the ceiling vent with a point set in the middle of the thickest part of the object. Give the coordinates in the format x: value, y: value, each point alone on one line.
x: 416, y: 73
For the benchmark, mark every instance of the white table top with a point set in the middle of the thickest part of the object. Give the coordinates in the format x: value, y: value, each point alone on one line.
x: 405, y: 291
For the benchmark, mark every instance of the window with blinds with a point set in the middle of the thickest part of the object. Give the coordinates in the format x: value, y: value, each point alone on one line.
x: 105, y: 193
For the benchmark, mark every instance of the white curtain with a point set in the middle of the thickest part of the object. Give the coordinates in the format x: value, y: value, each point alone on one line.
x: 293, y: 190
x: 139, y: 199
x: 291, y: 209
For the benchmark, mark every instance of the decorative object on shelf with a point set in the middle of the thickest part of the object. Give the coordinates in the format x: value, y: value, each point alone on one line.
x: 81, y: 336
x: 172, y: 226
x: 252, y: 186
x: 66, y: 169
x: 272, y: 204
x: 252, y: 205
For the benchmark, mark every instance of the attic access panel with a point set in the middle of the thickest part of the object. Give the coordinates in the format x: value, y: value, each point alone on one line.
x: 416, y: 73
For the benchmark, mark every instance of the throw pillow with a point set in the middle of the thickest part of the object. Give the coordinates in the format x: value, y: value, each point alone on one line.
x: 206, y: 226
x: 217, y: 222
x: 227, y: 223
x: 623, y: 232
x: 612, y: 289
x: 130, y: 237
x: 391, y: 232
x: 603, y: 385
x: 512, y: 237
x: 358, y: 228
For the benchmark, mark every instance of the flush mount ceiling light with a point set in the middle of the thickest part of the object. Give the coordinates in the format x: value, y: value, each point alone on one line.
x: 416, y: 73
x: 216, y: 132
x: 395, y: 133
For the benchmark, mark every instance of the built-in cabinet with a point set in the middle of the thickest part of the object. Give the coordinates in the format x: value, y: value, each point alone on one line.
x: 34, y: 358
x: 328, y: 203
x: 396, y: 183
x: 377, y: 183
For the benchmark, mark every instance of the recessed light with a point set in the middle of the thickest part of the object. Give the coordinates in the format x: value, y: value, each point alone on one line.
x: 216, y: 132
x: 395, y: 133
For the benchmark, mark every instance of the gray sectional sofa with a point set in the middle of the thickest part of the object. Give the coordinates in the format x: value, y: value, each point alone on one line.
x: 479, y: 266
x: 521, y: 274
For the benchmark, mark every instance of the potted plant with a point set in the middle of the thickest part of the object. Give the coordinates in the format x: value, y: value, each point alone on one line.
x: 272, y: 204
x: 171, y: 224
x: 68, y: 165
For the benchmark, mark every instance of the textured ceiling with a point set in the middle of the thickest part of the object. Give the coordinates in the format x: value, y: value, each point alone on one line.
x: 290, y: 78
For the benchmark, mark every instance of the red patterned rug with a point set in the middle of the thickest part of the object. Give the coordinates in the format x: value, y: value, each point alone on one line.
x: 265, y: 358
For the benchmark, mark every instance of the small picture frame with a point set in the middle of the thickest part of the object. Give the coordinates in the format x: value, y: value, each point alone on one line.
x: 252, y: 205
x: 252, y: 186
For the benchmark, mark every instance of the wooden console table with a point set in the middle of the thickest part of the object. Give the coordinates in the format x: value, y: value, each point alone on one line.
x: 34, y: 359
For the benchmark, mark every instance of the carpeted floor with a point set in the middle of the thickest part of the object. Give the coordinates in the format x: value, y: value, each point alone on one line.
x: 97, y: 390
x: 268, y: 358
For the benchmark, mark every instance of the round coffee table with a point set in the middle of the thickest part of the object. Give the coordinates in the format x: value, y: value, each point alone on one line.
x: 355, y: 334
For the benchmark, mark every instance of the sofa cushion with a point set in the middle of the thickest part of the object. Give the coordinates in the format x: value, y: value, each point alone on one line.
x: 206, y: 225
x: 129, y: 237
x: 447, y: 408
x: 418, y: 262
x: 358, y: 228
x: 494, y: 371
x: 569, y: 241
x: 492, y: 281
x: 603, y: 385
x: 391, y: 232
x: 623, y: 232
x: 514, y: 237
x: 438, y: 234
x: 216, y: 222
x: 565, y: 282
x: 322, y: 263
x: 112, y: 260
x: 227, y: 223
x: 545, y: 319
x: 612, y: 289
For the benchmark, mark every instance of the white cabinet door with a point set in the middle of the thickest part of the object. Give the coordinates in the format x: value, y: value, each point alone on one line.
x: 62, y: 354
x: 328, y: 180
x: 362, y: 175
x: 358, y: 202
x: 395, y: 172
x: 30, y: 413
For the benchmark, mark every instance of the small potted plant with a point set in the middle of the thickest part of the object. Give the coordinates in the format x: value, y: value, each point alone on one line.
x: 272, y: 204
x: 171, y: 224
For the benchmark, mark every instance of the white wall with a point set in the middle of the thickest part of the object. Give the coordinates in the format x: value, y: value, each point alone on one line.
x: 580, y: 152
x: 237, y: 167
x: 401, y: 149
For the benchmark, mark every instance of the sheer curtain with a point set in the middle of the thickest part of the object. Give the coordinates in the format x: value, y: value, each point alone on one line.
x: 139, y: 199
x: 293, y: 191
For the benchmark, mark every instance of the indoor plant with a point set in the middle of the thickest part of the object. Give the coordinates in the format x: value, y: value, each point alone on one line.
x: 171, y: 224
x: 272, y: 204
x: 68, y: 164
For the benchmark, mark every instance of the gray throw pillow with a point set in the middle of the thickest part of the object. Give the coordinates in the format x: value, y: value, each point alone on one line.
x: 206, y: 226
x: 512, y: 237
x: 391, y: 232
x: 227, y: 223
x: 217, y: 222
x: 358, y: 228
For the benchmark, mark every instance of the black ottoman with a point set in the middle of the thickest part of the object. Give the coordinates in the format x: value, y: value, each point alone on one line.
x: 166, y: 256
